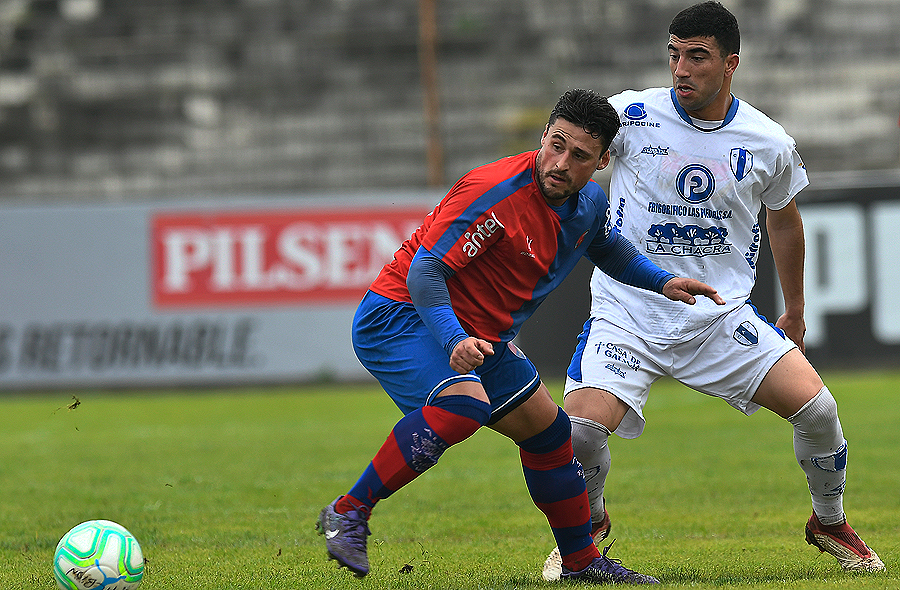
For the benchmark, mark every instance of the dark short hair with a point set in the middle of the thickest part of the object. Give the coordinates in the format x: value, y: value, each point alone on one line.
x: 589, y: 110
x: 708, y: 19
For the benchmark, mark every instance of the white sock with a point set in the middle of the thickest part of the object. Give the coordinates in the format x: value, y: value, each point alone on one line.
x: 821, y: 450
x: 589, y: 440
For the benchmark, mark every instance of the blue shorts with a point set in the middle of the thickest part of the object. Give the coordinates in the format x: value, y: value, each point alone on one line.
x: 393, y: 344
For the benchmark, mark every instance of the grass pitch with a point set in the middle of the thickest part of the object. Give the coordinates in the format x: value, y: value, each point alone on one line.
x: 222, y: 489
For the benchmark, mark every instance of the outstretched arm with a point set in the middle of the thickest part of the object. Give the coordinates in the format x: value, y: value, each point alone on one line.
x: 785, y: 229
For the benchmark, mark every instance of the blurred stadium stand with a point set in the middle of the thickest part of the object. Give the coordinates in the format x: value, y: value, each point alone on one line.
x: 109, y: 100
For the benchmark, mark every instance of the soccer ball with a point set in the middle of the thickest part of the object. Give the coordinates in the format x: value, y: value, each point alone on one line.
x: 98, y: 555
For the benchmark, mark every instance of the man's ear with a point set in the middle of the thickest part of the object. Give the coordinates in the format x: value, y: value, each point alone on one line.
x: 604, y: 160
x: 731, y: 64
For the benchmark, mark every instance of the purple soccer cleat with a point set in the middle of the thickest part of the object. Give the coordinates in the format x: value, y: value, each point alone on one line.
x: 604, y: 570
x: 345, y: 538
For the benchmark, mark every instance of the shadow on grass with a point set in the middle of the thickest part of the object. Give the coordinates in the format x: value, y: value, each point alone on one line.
x: 739, y: 574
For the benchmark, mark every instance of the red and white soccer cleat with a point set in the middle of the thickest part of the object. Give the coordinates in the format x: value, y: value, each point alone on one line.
x: 844, y: 544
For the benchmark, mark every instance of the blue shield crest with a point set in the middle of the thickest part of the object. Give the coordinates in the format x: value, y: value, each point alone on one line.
x: 741, y: 162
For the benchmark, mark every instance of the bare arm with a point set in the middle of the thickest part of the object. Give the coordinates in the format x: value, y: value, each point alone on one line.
x: 785, y: 229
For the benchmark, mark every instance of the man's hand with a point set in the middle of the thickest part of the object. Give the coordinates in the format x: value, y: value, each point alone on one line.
x: 682, y: 289
x: 469, y: 353
x: 794, y: 327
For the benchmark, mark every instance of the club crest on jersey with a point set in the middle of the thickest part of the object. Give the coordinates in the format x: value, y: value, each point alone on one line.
x: 580, y: 239
x: 746, y: 334
x: 741, y: 162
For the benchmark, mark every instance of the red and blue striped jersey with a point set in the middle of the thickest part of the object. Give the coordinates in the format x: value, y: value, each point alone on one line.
x: 507, y: 247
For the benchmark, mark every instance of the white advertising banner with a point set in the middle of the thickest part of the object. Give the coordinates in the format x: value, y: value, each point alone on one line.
x: 257, y: 292
x: 181, y: 294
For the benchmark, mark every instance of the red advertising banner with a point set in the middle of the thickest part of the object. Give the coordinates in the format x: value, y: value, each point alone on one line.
x: 273, y: 257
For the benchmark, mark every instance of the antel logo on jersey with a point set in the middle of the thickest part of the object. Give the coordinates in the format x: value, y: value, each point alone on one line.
x: 475, y: 239
x: 695, y: 183
x: 635, y: 113
x: 281, y: 257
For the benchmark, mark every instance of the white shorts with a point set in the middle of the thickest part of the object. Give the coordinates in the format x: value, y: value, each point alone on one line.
x: 729, y: 360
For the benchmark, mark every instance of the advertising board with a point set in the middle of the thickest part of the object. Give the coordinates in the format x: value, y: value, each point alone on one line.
x: 175, y: 294
x: 263, y: 291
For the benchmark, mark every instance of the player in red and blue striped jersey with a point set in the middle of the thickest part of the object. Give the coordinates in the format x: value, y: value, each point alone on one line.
x: 436, y: 328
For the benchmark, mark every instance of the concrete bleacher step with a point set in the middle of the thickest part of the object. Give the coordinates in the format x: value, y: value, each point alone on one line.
x: 162, y: 97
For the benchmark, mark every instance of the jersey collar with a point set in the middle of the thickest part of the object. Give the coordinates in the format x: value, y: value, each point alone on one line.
x: 732, y: 111
x: 568, y: 208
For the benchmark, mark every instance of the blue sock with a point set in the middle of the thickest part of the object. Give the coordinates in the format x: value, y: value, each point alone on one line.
x: 556, y: 483
x: 415, y: 445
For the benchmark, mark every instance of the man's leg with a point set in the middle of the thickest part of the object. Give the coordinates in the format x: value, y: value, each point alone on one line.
x: 630, y: 366
x: 793, y: 390
x: 590, y: 410
x: 556, y: 483
x: 415, y: 444
x: 595, y: 415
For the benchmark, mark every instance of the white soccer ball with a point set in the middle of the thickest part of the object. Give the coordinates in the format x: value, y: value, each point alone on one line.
x: 98, y: 555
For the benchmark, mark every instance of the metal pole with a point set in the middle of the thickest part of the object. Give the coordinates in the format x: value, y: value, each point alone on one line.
x: 430, y: 87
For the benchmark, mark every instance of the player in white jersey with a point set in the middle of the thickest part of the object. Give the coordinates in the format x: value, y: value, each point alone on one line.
x: 693, y: 165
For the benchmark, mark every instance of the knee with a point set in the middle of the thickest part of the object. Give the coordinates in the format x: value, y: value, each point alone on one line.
x: 818, y: 415
x: 597, y: 405
x: 550, y: 439
x: 588, y: 435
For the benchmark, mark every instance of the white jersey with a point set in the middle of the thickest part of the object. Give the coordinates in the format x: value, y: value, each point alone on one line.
x: 689, y: 199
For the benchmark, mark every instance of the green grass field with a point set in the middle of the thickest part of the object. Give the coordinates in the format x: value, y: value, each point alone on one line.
x: 222, y: 489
